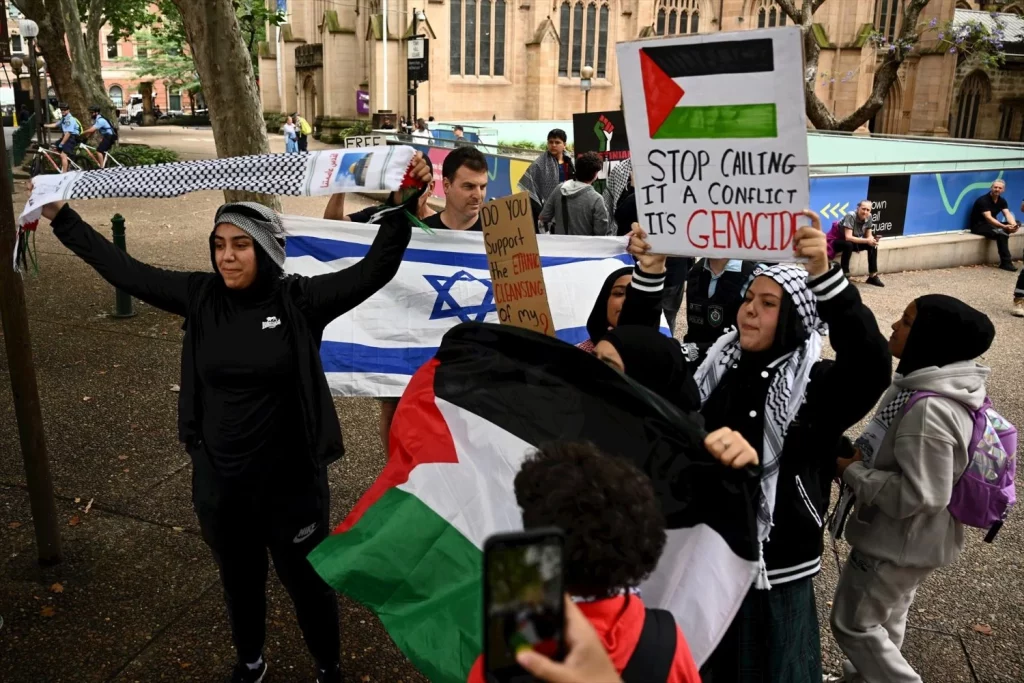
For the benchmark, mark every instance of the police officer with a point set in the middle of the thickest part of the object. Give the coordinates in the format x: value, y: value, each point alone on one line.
x: 714, y: 292
x: 70, y: 129
x: 107, y: 135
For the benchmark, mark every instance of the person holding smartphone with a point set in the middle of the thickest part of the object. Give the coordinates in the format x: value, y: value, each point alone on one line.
x: 614, y: 534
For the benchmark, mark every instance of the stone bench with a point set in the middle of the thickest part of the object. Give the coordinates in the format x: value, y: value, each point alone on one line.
x: 928, y: 252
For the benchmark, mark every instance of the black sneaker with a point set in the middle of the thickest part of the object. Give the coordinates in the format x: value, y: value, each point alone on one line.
x: 1006, y: 265
x: 330, y: 675
x: 243, y: 674
x: 876, y: 281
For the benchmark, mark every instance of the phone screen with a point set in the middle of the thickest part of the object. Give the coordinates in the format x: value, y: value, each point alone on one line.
x: 523, y: 606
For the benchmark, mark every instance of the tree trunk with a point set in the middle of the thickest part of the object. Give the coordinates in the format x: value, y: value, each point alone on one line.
x: 146, y: 90
x: 885, y: 74
x: 50, y: 43
x: 92, y: 57
x: 88, y: 75
x: 225, y: 71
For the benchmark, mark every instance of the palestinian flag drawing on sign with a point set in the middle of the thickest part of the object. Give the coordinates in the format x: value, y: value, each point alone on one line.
x: 712, y: 72
x: 411, y: 548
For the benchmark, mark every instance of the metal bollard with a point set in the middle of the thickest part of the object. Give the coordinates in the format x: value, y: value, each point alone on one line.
x: 123, y: 306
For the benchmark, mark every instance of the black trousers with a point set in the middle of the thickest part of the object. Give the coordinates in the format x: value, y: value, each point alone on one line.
x: 848, y: 248
x: 1001, y: 237
x: 283, y: 510
x: 1018, y: 291
x: 303, y: 141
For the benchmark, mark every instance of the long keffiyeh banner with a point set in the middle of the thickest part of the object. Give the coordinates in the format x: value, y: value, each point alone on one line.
x: 444, y: 279
x: 371, y: 169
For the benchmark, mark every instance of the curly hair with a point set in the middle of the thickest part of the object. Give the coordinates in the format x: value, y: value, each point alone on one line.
x: 613, y: 524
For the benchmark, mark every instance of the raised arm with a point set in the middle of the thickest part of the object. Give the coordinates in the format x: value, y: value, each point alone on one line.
x: 165, y: 289
x: 863, y: 366
x: 328, y: 296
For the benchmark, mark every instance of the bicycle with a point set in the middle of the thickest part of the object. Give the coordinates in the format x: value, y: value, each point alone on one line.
x: 89, y: 158
x: 47, y: 160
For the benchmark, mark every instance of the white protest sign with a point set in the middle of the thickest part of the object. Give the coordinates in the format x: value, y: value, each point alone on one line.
x: 359, y: 141
x: 718, y: 137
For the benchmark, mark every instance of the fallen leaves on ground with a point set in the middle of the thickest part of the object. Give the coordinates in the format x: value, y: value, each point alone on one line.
x: 87, y: 398
x: 179, y: 529
x: 13, y: 525
x: 983, y: 629
x: 57, y: 588
x: 75, y: 521
x: 88, y: 506
x: 174, y: 387
x: 47, y: 611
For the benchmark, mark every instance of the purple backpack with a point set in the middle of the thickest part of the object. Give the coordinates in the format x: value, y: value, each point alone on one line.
x: 984, y: 494
x: 830, y: 237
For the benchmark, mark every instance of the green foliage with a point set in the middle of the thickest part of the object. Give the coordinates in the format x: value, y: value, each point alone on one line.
x: 253, y: 17
x: 357, y: 128
x: 165, y: 60
x: 123, y: 17
x: 143, y: 155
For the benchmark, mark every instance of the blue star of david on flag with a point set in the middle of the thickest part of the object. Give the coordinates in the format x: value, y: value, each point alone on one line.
x: 445, y: 306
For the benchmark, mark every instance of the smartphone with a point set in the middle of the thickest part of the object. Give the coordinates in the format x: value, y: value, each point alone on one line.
x: 523, y: 603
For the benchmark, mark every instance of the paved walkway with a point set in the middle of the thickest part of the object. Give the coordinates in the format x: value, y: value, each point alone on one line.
x: 137, y: 598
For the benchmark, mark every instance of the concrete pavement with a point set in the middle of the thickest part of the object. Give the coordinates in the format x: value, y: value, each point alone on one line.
x: 137, y: 598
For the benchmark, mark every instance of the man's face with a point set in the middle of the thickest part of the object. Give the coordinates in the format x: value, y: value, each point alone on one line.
x: 465, y: 193
x: 458, y: 133
x: 64, y: 112
x: 556, y: 146
x: 997, y: 189
x: 863, y: 211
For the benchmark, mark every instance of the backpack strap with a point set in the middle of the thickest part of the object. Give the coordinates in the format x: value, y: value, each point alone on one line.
x: 565, y: 213
x: 651, y: 661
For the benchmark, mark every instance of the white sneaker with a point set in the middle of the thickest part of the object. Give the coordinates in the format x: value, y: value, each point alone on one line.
x: 1018, y: 308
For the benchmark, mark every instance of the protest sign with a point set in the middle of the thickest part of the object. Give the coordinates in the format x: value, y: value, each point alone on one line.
x: 718, y: 140
x: 360, y: 141
x: 514, y: 261
x: 603, y: 132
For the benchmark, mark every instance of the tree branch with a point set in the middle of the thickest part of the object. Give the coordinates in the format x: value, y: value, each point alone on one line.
x: 789, y: 7
x: 887, y: 71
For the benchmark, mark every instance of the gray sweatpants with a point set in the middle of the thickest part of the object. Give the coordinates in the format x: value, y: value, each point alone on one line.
x: 869, y: 619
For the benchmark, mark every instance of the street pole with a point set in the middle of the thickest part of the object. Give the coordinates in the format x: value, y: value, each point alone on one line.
x: 33, y: 73
x: 23, y: 378
x: 384, y: 22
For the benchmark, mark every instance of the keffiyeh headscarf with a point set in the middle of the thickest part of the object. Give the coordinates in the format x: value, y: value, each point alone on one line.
x: 261, y: 223
x: 541, y: 178
x: 788, y: 389
x: 618, y: 181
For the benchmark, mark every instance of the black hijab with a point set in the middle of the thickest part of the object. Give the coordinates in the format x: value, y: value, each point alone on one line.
x: 657, y: 362
x: 946, y: 330
x: 597, y: 323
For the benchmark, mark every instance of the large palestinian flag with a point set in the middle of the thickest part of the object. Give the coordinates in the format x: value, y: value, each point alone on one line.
x: 411, y: 548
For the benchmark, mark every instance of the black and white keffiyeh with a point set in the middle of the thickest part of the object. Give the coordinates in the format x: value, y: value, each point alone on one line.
x: 616, y: 184
x: 867, y: 443
x: 788, y: 389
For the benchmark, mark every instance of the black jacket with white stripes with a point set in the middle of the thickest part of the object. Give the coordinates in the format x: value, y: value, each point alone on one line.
x: 840, y: 393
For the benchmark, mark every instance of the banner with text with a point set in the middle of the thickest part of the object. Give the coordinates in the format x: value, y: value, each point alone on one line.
x: 718, y: 140
x: 603, y: 132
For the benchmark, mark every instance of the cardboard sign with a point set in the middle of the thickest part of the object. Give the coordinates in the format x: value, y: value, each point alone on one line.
x: 514, y: 260
x: 718, y: 139
x: 360, y: 141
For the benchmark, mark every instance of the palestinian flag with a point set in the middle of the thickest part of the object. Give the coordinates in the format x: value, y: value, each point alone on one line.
x: 687, y: 87
x: 411, y: 548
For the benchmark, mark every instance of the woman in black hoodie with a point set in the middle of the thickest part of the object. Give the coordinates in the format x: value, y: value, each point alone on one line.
x: 767, y: 381
x: 255, y: 412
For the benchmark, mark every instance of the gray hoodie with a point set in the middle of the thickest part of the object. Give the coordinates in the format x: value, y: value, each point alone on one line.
x: 900, y: 514
x: 585, y: 207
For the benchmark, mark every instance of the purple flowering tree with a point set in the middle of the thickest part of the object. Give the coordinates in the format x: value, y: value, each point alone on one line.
x: 971, y: 40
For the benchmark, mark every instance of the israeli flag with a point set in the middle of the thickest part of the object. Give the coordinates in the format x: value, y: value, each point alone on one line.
x: 374, y: 349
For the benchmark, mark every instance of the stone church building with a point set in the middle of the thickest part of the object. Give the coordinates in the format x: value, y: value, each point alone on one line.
x: 522, y: 59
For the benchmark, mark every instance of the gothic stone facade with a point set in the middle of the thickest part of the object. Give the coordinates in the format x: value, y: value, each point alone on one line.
x: 522, y: 59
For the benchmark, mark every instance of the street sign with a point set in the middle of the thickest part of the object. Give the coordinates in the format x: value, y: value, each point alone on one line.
x: 359, y: 141
x: 418, y: 56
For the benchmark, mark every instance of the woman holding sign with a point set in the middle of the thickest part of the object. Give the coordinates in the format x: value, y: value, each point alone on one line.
x: 767, y: 381
x: 255, y: 412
